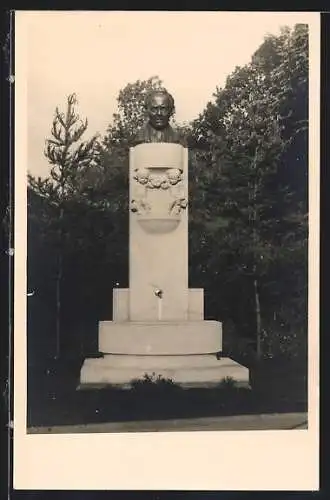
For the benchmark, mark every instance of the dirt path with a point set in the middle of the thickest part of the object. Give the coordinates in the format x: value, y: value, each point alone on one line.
x: 284, y: 421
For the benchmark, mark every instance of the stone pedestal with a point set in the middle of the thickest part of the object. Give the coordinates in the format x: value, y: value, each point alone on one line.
x: 158, y: 323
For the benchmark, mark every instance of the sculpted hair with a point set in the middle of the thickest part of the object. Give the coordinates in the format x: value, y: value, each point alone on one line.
x: 163, y: 92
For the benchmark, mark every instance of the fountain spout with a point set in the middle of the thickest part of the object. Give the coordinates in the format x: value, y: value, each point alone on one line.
x: 159, y: 294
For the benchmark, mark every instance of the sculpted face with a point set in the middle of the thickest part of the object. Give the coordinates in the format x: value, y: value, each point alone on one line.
x: 159, y: 110
x: 174, y: 176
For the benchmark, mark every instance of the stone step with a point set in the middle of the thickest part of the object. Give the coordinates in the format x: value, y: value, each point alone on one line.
x: 124, y: 361
x: 109, y: 371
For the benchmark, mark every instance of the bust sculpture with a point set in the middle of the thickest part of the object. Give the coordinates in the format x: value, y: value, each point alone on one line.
x: 159, y: 109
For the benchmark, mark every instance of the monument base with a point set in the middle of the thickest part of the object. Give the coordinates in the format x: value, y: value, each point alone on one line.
x: 184, y: 351
x: 190, y: 371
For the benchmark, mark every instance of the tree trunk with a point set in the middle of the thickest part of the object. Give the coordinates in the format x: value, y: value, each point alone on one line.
x: 58, y: 290
x: 258, y: 318
x: 255, y: 280
x: 58, y: 307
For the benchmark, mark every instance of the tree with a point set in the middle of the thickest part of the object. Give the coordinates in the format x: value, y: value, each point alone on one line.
x: 244, y: 143
x: 289, y: 81
x: 248, y: 211
x: 129, y: 118
x: 69, y: 157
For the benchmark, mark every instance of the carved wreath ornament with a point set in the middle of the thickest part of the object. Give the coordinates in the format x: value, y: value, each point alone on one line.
x: 165, y: 181
x: 158, y: 181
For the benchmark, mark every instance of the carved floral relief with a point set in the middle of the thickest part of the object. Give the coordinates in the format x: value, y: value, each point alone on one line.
x: 169, y: 180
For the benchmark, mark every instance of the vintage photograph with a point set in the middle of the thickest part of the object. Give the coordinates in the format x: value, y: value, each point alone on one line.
x: 168, y: 221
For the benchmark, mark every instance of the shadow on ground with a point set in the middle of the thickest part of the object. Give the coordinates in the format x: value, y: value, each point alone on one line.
x: 53, y: 398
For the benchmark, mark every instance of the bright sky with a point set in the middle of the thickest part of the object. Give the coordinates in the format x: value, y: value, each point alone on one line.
x: 95, y: 54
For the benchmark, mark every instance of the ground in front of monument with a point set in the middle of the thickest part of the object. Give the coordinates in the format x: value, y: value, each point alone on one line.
x: 277, y: 400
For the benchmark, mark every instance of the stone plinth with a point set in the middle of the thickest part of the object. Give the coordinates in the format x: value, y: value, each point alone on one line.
x: 188, y: 371
x: 160, y: 337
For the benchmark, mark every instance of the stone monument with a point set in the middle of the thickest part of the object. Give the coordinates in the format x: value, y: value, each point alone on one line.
x: 158, y: 324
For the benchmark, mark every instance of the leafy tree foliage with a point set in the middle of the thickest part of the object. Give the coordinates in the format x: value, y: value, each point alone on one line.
x: 246, y: 140
x: 248, y: 199
x: 129, y: 118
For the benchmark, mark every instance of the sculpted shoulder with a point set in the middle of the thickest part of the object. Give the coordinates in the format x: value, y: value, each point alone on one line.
x: 140, y: 136
x: 168, y: 135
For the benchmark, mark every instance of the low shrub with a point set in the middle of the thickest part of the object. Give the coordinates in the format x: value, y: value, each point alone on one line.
x: 155, y: 383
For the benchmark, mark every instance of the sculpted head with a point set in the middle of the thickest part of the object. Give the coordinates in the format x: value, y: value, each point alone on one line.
x: 160, y: 108
x: 142, y: 176
x: 174, y: 176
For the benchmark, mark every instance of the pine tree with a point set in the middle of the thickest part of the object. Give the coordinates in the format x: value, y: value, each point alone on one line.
x: 70, y: 158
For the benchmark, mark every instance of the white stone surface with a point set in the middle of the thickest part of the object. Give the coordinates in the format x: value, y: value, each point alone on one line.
x: 121, y: 371
x: 196, y: 304
x: 158, y: 155
x: 120, y: 310
x: 160, y: 337
x: 120, y: 302
x: 158, y: 260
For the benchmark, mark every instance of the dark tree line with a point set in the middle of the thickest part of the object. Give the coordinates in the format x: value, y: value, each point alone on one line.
x: 248, y: 229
